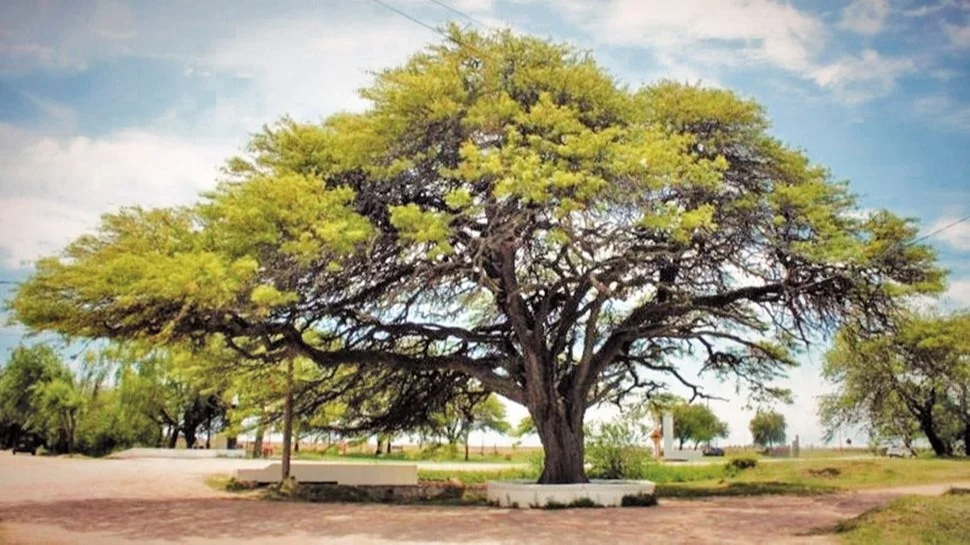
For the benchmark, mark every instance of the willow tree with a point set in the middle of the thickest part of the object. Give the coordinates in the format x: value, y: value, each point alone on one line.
x: 503, y: 211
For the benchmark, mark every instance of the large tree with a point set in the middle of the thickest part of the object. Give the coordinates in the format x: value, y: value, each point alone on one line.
x: 914, y: 374
x: 504, y: 211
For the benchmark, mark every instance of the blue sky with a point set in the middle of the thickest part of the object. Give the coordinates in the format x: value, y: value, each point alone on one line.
x: 110, y: 103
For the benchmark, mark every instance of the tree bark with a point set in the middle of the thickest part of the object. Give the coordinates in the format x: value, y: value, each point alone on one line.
x: 189, y: 433
x: 466, y: 446
x: 173, y: 437
x: 562, y: 438
x: 940, y: 447
x: 287, y: 419
x: 258, y: 442
x: 966, y: 439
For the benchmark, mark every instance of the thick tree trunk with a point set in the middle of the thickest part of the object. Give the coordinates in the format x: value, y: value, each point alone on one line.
x: 466, y: 447
x: 189, y: 433
x: 287, y: 419
x: 562, y: 443
x: 173, y: 437
x: 966, y: 439
x: 258, y: 442
x: 940, y: 447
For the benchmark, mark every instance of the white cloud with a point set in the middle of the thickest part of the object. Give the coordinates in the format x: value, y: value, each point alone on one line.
x: 929, y: 9
x: 955, y: 235
x: 959, y: 292
x: 62, y: 36
x: 18, y: 57
x: 698, y: 37
x: 865, y: 17
x: 56, y: 116
x: 764, y: 31
x: 309, y: 68
x: 941, y: 110
x: 113, y: 19
x: 857, y: 79
x: 959, y: 35
x: 53, y: 189
x: 32, y: 228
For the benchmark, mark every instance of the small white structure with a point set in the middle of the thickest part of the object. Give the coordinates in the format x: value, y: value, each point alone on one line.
x: 670, y: 453
x: 346, y: 474
x: 529, y: 494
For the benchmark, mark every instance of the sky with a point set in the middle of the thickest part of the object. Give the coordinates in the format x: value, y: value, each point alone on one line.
x: 111, y: 103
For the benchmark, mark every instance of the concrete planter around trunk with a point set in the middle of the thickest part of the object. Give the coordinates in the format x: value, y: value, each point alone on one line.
x: 529, y: 494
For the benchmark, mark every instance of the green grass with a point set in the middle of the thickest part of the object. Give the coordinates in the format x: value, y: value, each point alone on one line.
x: 427, y: 455
x: 478, y: 477
x: 791, y: 478
x: 941, y: 520
x: 809, y: 477
x: 797, y: 478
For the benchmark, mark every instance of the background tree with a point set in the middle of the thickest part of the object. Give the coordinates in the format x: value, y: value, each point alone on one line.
x: 504, y: 212
x: 768, y: 428
x: 27, y: 371
x: 466, y: 413
x: 915, y: 374
x: 696, y: 423
x: 58, y: 407
x: 69, y: 408
x: 526, y: 426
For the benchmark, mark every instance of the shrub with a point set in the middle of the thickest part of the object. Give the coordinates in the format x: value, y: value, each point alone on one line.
x: 639, y: 500
x: 234, y: 485
x: 740, y: 464
x: 613, y: 452
x: 580, y: 503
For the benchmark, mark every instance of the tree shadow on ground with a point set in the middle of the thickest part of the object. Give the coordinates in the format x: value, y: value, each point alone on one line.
x: 763, y: 488
x: 721, y: 520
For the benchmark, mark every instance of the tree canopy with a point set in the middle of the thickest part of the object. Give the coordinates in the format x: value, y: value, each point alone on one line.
x: 697, y: 423
x: 911, y: 378
x: 504, y: 212
x: 768, y: 428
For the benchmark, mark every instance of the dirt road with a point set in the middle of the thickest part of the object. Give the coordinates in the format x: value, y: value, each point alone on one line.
x: 58, y: 501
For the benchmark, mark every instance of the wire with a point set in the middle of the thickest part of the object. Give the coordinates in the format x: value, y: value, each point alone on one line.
x: 411, y: 18
x: 460, y: 13
x: 940, y: 230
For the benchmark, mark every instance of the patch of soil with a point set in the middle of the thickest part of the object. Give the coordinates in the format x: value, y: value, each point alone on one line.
x: 824, y: 472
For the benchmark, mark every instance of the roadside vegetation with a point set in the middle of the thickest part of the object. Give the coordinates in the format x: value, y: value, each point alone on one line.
x: 795, y: 477
x: 941, y: 520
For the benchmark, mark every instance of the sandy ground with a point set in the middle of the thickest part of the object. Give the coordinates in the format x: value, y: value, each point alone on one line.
x: 59, y: 500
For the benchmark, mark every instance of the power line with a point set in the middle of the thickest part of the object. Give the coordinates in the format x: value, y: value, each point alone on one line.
x: 460, y: 13
x: 411, y: 18
x: 940, y: 230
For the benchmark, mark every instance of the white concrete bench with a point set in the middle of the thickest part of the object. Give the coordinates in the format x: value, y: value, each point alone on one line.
x: 525, y: 494
x: 346, y: 474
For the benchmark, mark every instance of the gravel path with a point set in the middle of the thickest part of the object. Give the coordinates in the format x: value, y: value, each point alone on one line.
x: 59, y: 500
